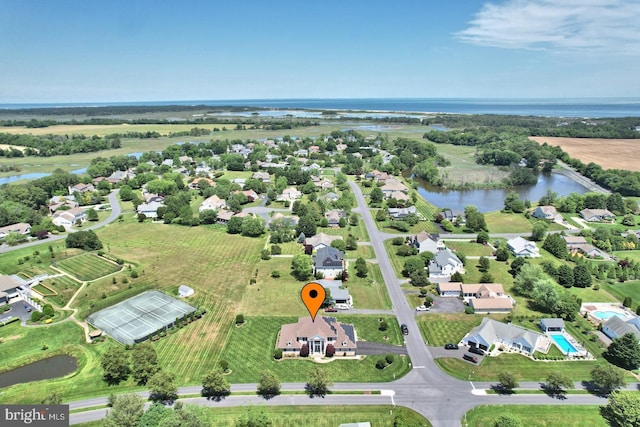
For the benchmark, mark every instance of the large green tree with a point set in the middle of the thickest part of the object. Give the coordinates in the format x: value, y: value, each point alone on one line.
x: 115, y: 365
x: 318, y: 382
x: 145, y: 362
x: 507, y: 381
x: 623, y: 409
x: 581, y: 276
x: 126, y: 411
x: 269, y: 385
x: 557, y: 381
x: 624, y: 352
x: 253, y: 226
x: 607, y: 378
x: 528, y: 275
x: 556, y: 246
x: 301, y: 266
x: 215, y: 386
x: 361, y: 267
x: 162, y: 387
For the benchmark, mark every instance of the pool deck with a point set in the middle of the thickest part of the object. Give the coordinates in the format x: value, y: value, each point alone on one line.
x: 580, y: 350
x: 588, y: 308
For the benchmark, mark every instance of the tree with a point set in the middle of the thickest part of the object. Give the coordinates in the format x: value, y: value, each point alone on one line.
x: 419, y: 278
x: 624, y: 351
x: 162, y: 387
x: 538, y: 231
x: 381, y: 215
x: 507, y: 381
x: 318, y: 382
x: 623, y: 409
x: 126, y: 411
x: 145, y: 362
x: 607, y: 378
x: 125, y: 193
x: 581, y: 276
x: 351, y: 243
x: 482, y: 237
x: 507, y: 421
x: 546, y: 296
x: 339, y: 244
x: 627, y: 301
x: 215, y: 386
x: 87, y: 240
x: 269, y: 385
x: 526, y: 278
x: 565, y: 276
x: 502, y: 254
x: 483, y: 264
x: 115, y: 364
x: 184, y: 416
x: 92, y: 215
x: 556, y: 246
x: 475, y: 219
x: 457, y: 277
x: 301, y: 266
x: 234, y: 225
x: 361, y: 267
x: 156, y: 413
x: 376, y: 195
x: 557, y: 381
x: 306, y: 225
x: 253, y: 226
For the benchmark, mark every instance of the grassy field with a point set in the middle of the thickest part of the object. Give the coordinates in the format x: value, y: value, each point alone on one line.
x: 632, y: 255
x: 64, y: 286
x: 538, y: 415
x: 290, y: 416
x: 499, y: 222
x: 280, y: 295
x: 464, y: 169
x: 627, y: 289
x: 396, y: 261
x: 468, y: 247
x: 438, y: 329
x: 87, y: 267
x: 249, y: 351
x: 358, y: 231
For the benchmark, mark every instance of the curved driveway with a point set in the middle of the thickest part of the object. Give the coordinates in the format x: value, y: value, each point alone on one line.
x: 443, y: 400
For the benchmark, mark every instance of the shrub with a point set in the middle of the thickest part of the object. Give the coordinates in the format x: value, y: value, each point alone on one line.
x: 134, y: 274
x: 381, y: 364
x: 423, y: 291
x: 330, y: 350
x: 389, y: 358
x: 397, y: 241
x: 276, y: 250
x: 383, y: 326
x: 277, y: 354
x: 275, y: 274
x: 240, y: 319
x: 304, y: 350
x: 224, y: 365
x: 36, y: 316
x: 469, y: 310
x: 265, y: 254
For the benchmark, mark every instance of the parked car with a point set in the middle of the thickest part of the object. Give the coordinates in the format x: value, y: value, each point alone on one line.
x: 476, y: 350
x: 330, y: 310
x: 470, y: 358
x: 450, y: 346
x: 404, y: 329
x: 342, y: 306
x: 422, y: 308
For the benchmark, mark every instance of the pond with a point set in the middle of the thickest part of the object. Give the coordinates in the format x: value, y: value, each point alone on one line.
x: 488, y: 200
x: 35, y: 175
x: 52, y: 367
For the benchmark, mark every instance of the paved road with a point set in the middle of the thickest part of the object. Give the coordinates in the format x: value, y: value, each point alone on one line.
x: 115, y: 213
x: 443, y: 400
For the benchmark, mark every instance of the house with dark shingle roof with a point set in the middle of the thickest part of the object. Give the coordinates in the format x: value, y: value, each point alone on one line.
x: 329, y: 262
x: 615, y: 327
x: 317, y: 335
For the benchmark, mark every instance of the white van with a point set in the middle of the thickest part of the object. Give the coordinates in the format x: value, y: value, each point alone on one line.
x: 342, y: 306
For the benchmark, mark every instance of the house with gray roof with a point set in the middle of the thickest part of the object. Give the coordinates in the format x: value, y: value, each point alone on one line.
x: 552, y: 325
x: 427, y: 242
x: 20, y: 228
x: 402, y: 213
x: 522, y: 247
x: 328, y: 262
x: 615, y: 327
x: 596, y: 215
x: 150, y: 210
x: 510, y: 336
x: 319, y: 241
x: 317, y: 335
x: 545, y: 212
x: 444, y: 264
x: 339, y: 295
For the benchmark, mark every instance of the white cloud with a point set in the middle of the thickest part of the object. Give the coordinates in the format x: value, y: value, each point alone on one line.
x: 561, y: 25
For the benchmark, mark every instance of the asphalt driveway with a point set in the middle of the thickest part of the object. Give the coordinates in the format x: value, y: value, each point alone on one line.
x: 371, y: 348
x: 18, y: 310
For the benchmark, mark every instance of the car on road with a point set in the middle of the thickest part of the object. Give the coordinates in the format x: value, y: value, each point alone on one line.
x: 342, y: 306
x: 470, y: 358
x: 404, y: 329
x: 450, y: 346
x: 422, y: 308
x: 330, y: 310
x: 476, y: 350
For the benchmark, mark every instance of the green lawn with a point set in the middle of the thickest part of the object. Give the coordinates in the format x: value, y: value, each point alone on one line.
x: 289, y: 416
x: 538, y: 415
x: 632, y: 255
x: 396, y: 261
x: 469, y: 247
x: 64, y: 286
x: 290, y: 248
x: 358, y: 231
x: 464, y: 169
x: 623, y: 290
x: 499, y: 222
x: 438, y: 329
x: 368, y: 292
x: 249, y: 352
x: 87, y: 267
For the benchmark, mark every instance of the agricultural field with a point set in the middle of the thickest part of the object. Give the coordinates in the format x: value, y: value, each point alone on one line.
x: 538, y: 415
x: 249, y: 352
x: 87, y: 267
x: 608, y: 153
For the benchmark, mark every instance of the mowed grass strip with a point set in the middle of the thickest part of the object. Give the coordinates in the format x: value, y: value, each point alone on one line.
x: 468, y: 248
x: 64, y: 286
x: 87, y: 267
x: 249, y: 352
x: 438, y: 329
x: 538, y: 415
x: 627, y: 289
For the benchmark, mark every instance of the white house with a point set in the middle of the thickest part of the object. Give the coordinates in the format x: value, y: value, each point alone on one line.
x: 445, y: 264
x: 552, y: 325
x: 20, y: 228
x: 545, y: 212
x: 328, y: 262
x: 150, y: 210
x: 615, y: 327
x: 427, y: 242
x: 212, y: 203
x: 289, y: 194
x: 522, y: 247
x: 510, y: 336
x: 69, y: 217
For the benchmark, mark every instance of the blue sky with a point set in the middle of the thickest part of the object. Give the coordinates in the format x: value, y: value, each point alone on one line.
x: 84, y: 51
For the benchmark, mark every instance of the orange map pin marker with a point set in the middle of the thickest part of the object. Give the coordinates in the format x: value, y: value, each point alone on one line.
x: 313, y: 295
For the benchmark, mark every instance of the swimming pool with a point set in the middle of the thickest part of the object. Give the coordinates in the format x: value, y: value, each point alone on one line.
x: 564, y: 345
x: 604, y: 314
